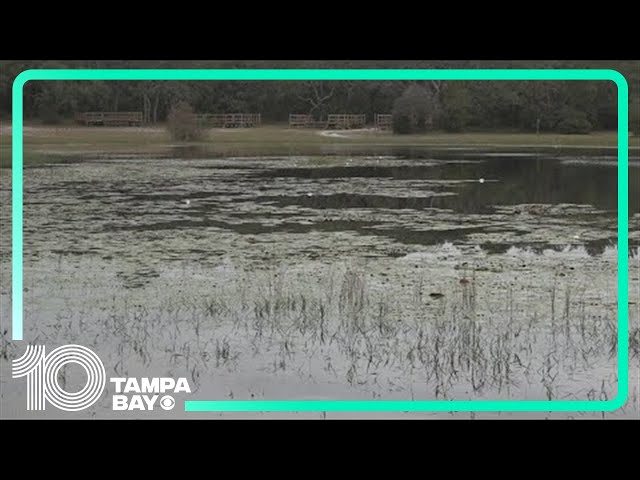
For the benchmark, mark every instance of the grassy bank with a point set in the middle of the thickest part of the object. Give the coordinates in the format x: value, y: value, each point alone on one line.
x: 46, y: 144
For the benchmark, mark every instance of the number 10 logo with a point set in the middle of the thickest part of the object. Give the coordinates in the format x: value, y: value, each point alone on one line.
x: 42, y: 370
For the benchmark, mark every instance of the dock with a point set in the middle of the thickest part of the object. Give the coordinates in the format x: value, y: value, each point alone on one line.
x: 384, y: 121
x: 110, y: 119
x: 345, y: 121
x: 229, y: 120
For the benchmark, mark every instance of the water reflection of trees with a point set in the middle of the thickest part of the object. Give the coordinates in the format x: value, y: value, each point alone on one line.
x: 514, y: 181
x: 509, y: 181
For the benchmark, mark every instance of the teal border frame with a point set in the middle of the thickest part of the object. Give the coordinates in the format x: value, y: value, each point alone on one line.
x: 363, y: 74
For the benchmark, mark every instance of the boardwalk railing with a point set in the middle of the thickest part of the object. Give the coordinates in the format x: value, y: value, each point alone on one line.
x: 298, y: 120
x: 384, y: 121
x: 346, y: 121
x: 110, y: 119
x: 229, y: 120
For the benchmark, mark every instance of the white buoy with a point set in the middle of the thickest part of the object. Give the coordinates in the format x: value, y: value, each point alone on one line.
x: 481, y: 180
x: 188, y: 202
x: 309, y: 194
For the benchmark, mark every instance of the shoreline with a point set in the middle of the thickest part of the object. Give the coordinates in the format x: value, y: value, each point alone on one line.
x: 43, y: 145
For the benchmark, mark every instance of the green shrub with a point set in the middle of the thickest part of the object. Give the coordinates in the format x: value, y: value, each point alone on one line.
x: 182, y: 123
x: 413, y: 111
x: 574, y: 121
x: 455, y: 107
x: 48, y: 115
x: 634, y: 117
x: 401, y: 124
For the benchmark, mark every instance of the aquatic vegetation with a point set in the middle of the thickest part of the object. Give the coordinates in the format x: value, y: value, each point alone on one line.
x: 376, y: 277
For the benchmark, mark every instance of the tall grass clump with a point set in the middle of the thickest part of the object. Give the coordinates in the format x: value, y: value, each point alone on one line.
x: 182, y: 123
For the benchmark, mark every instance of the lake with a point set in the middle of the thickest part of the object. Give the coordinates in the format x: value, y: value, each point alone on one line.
x: 417, y: 274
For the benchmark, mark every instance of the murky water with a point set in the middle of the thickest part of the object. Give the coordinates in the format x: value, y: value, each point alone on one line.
x: 163, y: 236
x: 200, y: 209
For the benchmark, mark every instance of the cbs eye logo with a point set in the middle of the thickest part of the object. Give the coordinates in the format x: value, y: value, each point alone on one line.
x: 167, y: 402
x: 42, y: 370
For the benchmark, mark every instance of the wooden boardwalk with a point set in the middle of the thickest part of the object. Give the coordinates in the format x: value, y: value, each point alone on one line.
x: 342, y: 121
x: 110, y: 119
x: 240, y: 120
x: 303, y: 120
x: 335, y: 121
x: 384, y: 121
x: 300, y: 120
x: 229, y: 120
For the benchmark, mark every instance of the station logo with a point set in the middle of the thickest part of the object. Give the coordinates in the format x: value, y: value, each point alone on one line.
x: 143, y: 394
x: 43, y: 387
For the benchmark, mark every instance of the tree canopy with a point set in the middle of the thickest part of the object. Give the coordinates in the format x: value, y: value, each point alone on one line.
x: 523, y: 105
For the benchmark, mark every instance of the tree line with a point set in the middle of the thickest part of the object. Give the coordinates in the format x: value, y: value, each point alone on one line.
x: 544, y: 106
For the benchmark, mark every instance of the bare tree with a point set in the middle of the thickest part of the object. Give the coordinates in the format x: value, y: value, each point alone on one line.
x: 317, y: 94
x: 436, y: 86
x: 151, y: 93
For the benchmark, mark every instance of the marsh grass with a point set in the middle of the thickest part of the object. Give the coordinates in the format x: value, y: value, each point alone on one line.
x: 359, y: 334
